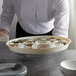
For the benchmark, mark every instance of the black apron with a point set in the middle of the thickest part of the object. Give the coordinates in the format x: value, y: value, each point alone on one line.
x: 21, y: 33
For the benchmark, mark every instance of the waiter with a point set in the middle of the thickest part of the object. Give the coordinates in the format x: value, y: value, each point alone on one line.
x: 36, y: 17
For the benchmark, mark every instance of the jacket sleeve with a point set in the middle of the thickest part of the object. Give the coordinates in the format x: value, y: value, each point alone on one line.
x: 61, y: 16
x: 7, y: 14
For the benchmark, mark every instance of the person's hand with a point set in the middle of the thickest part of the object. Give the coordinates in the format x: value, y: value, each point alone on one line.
x: 3, y: 32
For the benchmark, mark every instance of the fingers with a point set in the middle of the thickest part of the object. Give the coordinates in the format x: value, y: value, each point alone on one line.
x: 3, y: 31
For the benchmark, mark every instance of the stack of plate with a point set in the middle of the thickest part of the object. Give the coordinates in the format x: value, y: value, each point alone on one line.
x: 19, y: 72
x: 68, y: 68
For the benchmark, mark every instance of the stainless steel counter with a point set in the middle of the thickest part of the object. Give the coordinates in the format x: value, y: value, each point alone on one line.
x: 38, y: 65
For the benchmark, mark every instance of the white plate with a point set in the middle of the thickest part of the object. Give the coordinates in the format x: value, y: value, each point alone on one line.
x: 68, y: 66
x: 21, y: 71
x: 39, y: 50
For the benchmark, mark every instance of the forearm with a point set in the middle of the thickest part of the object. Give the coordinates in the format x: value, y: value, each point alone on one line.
x: 61, y: 24
x: 3, y: 31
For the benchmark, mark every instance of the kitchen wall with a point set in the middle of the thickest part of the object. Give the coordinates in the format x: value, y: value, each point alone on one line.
x: 13, y: 26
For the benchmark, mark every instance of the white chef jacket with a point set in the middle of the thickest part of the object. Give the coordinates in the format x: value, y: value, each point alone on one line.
x: 37, y: 16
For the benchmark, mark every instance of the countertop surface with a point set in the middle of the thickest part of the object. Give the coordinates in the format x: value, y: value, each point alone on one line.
x: 38, y: 65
